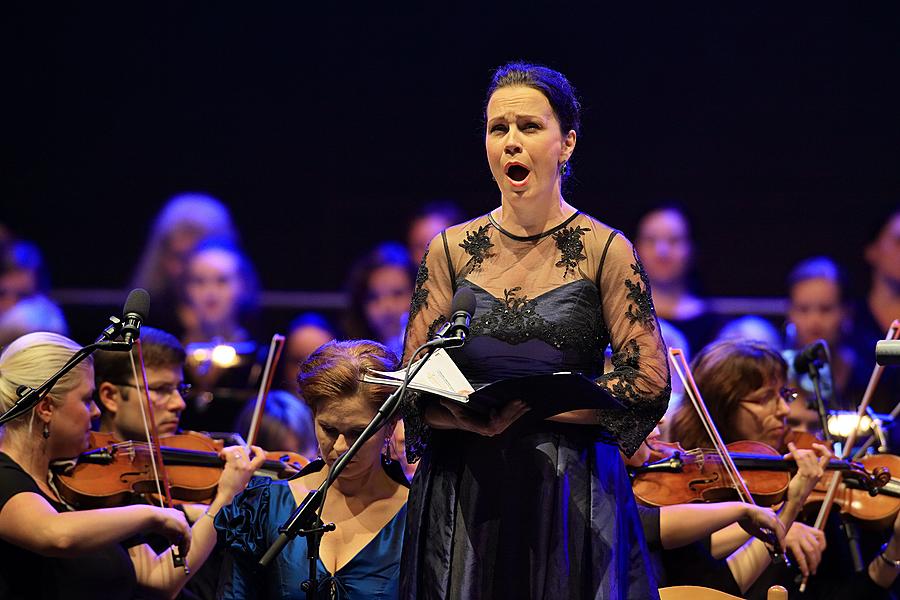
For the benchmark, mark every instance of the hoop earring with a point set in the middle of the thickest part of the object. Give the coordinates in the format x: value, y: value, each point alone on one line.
x: 46, y: 432
x: 386, y: 451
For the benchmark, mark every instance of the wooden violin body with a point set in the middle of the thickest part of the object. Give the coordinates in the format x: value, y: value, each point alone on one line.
x: 114, y: 473
x: 874, y: 511
x: 682, y: 476
x: 677, y: 476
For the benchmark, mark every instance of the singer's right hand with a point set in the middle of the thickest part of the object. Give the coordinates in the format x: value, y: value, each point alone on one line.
x: 494, y: 424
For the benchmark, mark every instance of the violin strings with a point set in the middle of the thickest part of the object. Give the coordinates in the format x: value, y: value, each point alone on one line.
x: 146, y: 428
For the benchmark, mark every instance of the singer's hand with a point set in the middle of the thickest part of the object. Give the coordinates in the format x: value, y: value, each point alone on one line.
x: 495, y: 423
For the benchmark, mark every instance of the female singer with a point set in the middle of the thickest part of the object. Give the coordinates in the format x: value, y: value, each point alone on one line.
x: 361, y: 558
x: 503, y: 507
x: 46, y: 551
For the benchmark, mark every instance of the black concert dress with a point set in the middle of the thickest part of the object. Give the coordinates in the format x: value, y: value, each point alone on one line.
x: 544, y: 510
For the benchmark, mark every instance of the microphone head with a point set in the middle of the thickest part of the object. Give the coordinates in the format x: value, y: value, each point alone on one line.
x: 808, y: 355
x: 464, y: 300
x: 138, y: 302
x: 887, y: 353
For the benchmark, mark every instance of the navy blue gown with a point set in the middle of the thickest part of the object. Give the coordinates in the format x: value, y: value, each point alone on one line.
x: 544, y: 510
x: 249, y: 525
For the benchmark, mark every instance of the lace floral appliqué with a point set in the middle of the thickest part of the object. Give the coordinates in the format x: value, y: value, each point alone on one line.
x: 420, y: 295
x: 476, y: 245
x: 435, y: 325
x: 515, y: 320
x: 569, y: 242
x: 641, y: 311
x: 629, y: 426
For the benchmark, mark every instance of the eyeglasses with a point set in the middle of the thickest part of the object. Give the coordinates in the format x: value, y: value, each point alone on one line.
x: 788, y: 394
x: 165, y: 390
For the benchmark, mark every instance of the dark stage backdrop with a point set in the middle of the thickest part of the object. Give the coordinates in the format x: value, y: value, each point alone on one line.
x: 324, y: 128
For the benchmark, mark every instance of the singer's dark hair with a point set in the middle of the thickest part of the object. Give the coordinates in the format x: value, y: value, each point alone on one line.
x: 160, y: 349
x: 335, y: 371
x: 552, y: 84
x: 726, y: 372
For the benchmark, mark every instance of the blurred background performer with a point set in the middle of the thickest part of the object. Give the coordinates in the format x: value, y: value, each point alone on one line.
x: 380, y: 286
x: 183, y: 222
x: 533, y: 509
x: 663, y: 241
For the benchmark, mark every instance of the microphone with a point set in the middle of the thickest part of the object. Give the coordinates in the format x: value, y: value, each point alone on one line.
x: 887, y: 353
x: 809, y: 356
x: 453, y: 333
x: 137, y: 307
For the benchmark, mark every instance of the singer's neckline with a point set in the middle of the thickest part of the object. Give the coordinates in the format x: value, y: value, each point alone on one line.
x: 535, y: 237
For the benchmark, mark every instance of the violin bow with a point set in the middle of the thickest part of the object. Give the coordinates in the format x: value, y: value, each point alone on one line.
x: 892, y: 334
x: 679, y: 362
x: 825, y: 510
x: 265, y: 383
x: 676, y: 355
x: 160, y: 476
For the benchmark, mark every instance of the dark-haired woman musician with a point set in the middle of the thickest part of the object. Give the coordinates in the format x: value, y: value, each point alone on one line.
x: 743, y: 384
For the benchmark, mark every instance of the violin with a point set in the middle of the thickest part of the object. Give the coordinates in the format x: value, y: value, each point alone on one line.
x: 116, y: 473
x: 677, y: 476
x: 873, y: 512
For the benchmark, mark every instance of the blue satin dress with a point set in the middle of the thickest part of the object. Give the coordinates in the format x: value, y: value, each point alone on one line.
x: 250, y: 524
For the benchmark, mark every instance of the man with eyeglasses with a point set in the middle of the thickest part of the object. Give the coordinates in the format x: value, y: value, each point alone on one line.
x: 119, y: 398
x: 119, y: 402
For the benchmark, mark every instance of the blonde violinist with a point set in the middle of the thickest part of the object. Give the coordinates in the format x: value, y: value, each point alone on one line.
x: 47, y: 551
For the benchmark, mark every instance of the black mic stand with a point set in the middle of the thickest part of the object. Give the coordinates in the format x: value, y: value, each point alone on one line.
x: 813, y: 371
x: 851, y: 531
x: 306, y: 518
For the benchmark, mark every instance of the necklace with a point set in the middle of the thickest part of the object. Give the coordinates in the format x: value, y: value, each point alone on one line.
x: 535, y: 237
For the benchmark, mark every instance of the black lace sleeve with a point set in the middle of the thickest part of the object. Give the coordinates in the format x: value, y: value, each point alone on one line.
x: 431, y: 302
x: 640, y: 375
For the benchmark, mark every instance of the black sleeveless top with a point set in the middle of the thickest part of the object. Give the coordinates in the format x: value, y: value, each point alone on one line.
x: 99, y: 575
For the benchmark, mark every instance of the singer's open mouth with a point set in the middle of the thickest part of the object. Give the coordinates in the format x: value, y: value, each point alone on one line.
x: 517, y: 172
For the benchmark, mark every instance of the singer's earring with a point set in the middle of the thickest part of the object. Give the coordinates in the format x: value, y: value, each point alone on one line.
x: 386, y: 452
x: 46, y: 431
x: 562, y: 168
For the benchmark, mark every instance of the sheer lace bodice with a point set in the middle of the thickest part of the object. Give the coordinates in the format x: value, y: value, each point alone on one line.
x: 546, y: 303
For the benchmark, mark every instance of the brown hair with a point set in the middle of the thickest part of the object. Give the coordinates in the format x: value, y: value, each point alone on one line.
x: 726, y: 372
x: 336, y: 369
x: 160, y: 350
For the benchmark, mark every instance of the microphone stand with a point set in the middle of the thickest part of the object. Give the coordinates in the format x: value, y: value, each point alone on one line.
x: 851, y: 532
x: 813, y: 372
x: 306, y: 518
